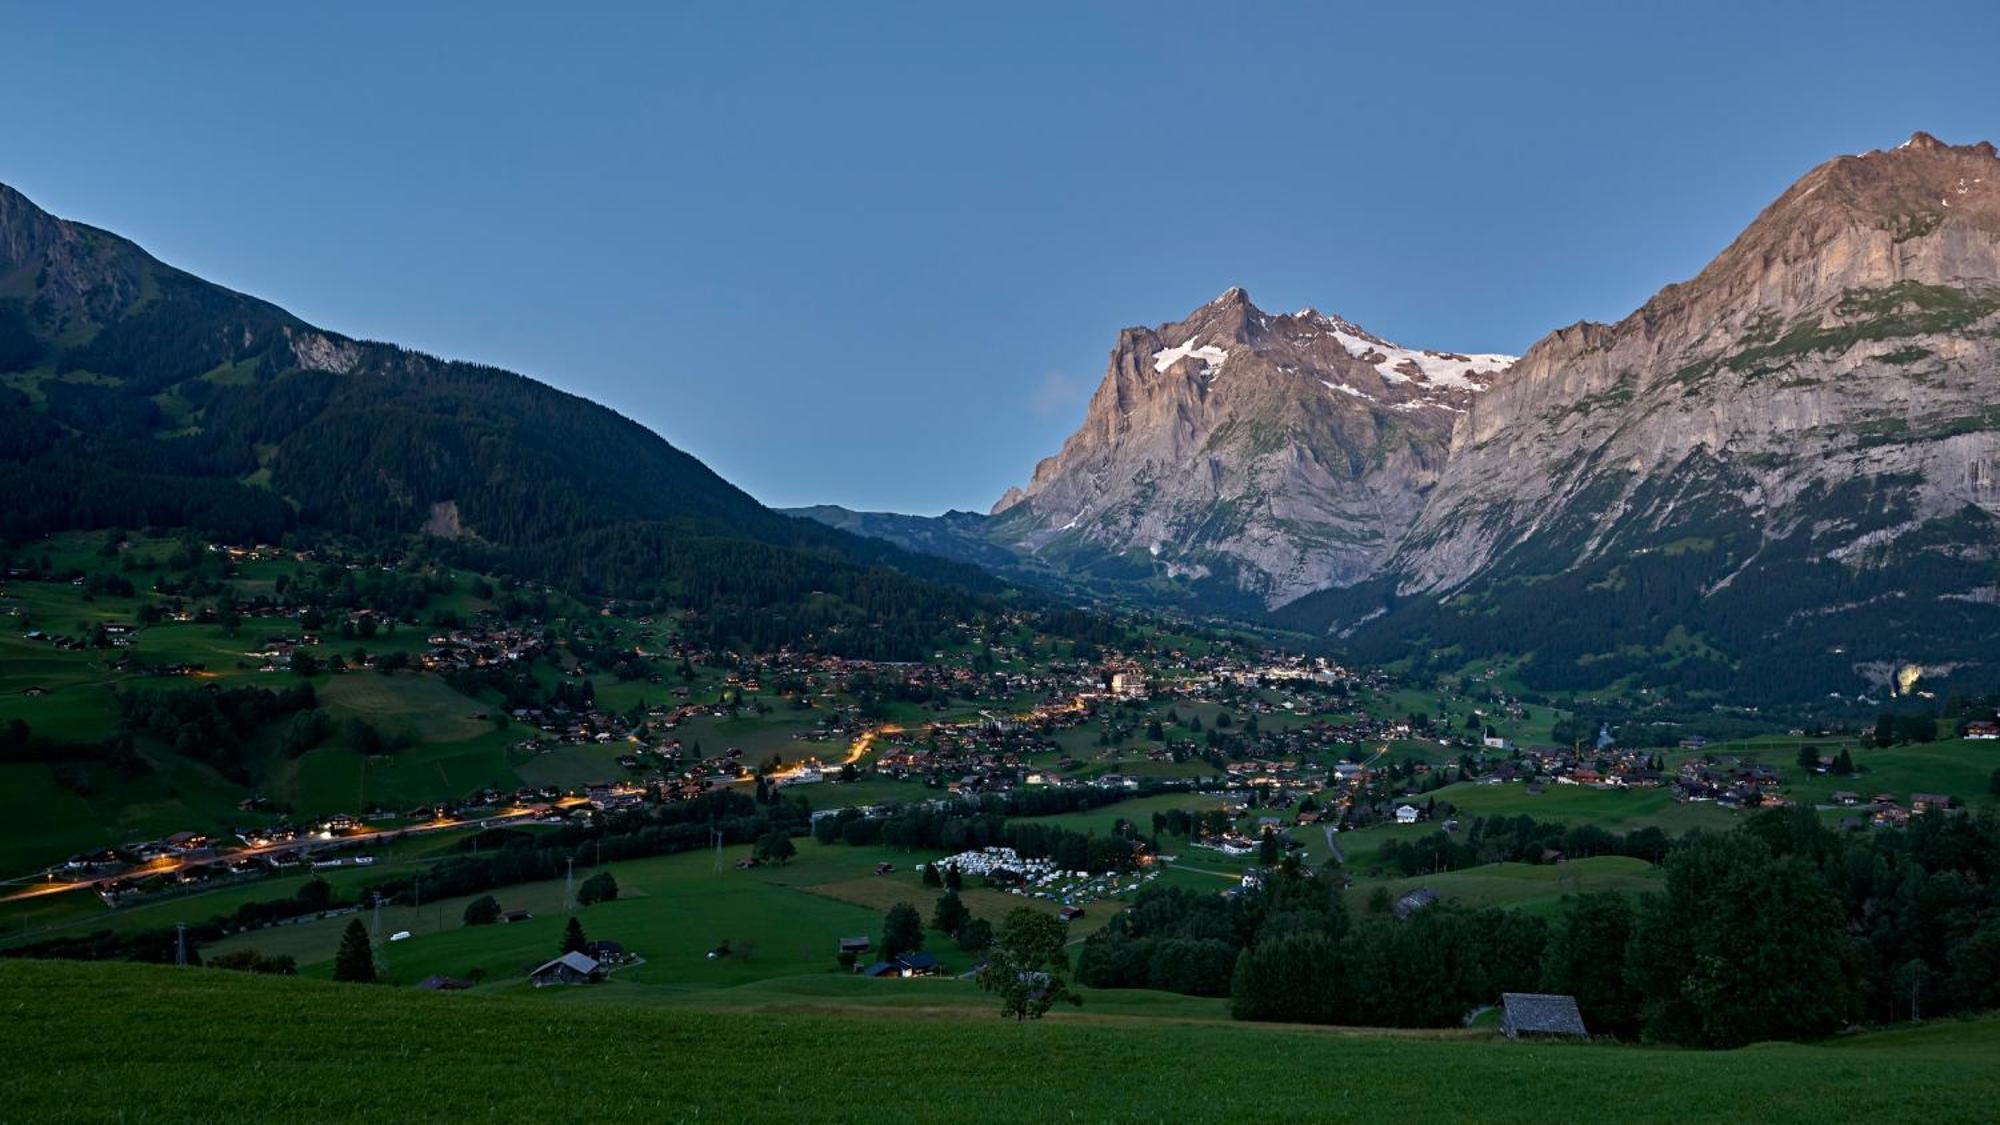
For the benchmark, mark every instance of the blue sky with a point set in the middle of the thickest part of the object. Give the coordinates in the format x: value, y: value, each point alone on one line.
x: 876, y: 254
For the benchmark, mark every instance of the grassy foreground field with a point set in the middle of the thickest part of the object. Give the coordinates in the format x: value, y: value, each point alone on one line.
x: 147, y: 1043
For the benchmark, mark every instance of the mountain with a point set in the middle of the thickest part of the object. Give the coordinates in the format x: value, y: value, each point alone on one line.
x: 1248, y: 457
x: 1778, y: 478
x: 135, y: 394
x: 1775, y: 480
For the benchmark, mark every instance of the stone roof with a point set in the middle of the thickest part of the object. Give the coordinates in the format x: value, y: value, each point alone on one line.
x: 1540, y: 1013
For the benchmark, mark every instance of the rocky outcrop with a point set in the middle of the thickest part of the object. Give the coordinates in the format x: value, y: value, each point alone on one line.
x: 1249, y: 453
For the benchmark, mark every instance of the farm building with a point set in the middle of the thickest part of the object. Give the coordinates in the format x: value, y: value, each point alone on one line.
x: 1540, y: 1014
x: 570, y: 968
x: 1412, y: 902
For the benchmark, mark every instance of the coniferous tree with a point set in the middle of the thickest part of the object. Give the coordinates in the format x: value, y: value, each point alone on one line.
x: 355, y: 962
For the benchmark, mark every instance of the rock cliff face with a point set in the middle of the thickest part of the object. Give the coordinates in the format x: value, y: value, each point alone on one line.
x: 1781, y: 477
x: 1782, y: 474
x: 1848, y: 334
x: 1258, y: 457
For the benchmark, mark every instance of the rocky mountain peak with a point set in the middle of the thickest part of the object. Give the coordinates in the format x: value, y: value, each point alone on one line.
x: 1267, y: 454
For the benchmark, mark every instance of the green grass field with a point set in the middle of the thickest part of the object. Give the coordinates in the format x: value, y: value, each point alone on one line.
x: 1619, y: 810
x: 147, y: 1043
x: 1533, y: 888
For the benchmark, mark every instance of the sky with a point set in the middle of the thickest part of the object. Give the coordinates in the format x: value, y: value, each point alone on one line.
x: 877, y: 254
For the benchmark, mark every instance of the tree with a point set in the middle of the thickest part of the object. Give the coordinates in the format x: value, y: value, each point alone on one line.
x: 950, y: 916
x: 776, y: 846
x: 931, y: 876
x: 482, y: 911
x: 1742, y: 947
x: 573, y: 940
x: 1585, y: 958
x: 956, y: 881
x: 1808, y: 757
x: 975, y: 935
x: 1026, y: 966
x: 600, y: 887
x: 1267, y: 850
x: 902, y: 931
x: 355, y: 962
x: 315, y: 894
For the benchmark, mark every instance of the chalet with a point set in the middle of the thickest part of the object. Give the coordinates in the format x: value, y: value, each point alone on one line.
x: 1846, y: 798
x: 1982, y: 730
x: 1070, y: 913
x: 570, y: 968
x: 914, y: 964
x: 1925, y: 802
x: 855, y: 945
x: 1407, y: 814
x: 1539, y: 1015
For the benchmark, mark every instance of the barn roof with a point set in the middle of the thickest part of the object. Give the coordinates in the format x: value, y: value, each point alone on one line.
x: 1540, y: 1013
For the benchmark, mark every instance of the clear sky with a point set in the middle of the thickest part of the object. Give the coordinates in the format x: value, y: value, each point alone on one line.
x: 876, y: 254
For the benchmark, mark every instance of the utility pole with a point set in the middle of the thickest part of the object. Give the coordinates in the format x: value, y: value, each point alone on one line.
x: 180, y: 943
x: 569, y: 877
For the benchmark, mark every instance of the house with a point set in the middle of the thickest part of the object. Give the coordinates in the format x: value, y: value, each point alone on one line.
x: 570, y: 968
x: 439, y: 983
x: 878, y: 969
x: 1407, y: 814
x: 1845, y: 798
x: 1070, y: 913
x: 855, y: 945
x: 1412, y: 902
x: 1982, y: 730
x: 604, y: 951
x: 1540, y: 1015
x: 917, y: 964
x: 1925, y: 802
x: 516, y: 916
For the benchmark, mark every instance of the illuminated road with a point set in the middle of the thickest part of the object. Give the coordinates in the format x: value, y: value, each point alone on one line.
x: 45, y: 886
x: 860, y: 747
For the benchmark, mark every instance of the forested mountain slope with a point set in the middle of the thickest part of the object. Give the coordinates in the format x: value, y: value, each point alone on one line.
x: 135, y: 394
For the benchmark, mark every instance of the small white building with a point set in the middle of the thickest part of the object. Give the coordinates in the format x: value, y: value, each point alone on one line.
x: 1407, y: 814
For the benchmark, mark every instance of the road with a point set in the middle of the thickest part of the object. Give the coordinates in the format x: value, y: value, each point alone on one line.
x: 43, y: 886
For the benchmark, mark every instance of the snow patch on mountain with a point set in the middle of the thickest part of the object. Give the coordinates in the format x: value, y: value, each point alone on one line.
x: 1211, y: 356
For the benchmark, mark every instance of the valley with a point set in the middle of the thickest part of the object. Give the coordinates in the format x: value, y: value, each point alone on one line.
x: 1623, y: 714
